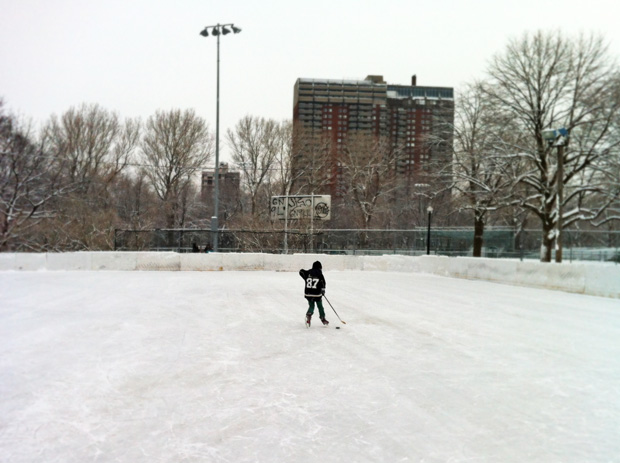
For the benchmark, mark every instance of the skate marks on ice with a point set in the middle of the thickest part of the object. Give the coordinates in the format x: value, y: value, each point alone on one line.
x: 195, y: 366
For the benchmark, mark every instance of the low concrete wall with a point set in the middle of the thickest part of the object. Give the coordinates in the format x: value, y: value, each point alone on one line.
x: 597, y: 279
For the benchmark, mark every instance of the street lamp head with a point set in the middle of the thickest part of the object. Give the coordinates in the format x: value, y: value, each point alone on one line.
x: 429, y: 209
x: 215, y: 31
x: 236, y: 30
x: 549, y: 135
x: 204, y: 32
x: 225, y: 31
x: 555, y: 136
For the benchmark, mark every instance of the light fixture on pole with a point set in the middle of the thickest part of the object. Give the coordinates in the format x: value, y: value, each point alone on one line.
x: 217, y: 30
x: 429, y: 209
x: 558, y: 138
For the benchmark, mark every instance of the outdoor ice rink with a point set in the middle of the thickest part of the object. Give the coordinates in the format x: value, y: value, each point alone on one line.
x: 219, y: 367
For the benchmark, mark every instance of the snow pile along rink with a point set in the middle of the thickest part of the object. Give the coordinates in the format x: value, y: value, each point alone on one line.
x: 593, y: 278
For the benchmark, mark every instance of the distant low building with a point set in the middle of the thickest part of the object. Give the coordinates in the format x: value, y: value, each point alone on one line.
x: 229, y: 191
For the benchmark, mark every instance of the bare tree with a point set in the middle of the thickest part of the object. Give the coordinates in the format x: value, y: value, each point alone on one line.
x: 543, y: 81
x: 282, y: 176
x: 94, y: 147
x: 255, y: 143
x: 311, y: 169
x: 95, y: 144
x: 30, y: 180
x: 176, y: 145
x: 368, y: 163
x: 136, y: 202
x: 603, y: 176
x: 481, y: 172
x: 607, y: 210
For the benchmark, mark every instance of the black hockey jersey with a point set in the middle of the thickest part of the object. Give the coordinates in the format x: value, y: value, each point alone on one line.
x: 314, y: 280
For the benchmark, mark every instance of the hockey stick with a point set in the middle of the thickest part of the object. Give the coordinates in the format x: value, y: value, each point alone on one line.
x: 330, y: 304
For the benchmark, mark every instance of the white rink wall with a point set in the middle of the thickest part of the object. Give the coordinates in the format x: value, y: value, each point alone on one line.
x: 598, y: 279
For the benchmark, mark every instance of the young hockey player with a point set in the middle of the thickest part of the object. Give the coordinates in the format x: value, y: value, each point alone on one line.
x: 314, y: 289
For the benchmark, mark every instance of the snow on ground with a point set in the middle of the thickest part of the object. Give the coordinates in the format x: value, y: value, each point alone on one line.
x: 219, y: 367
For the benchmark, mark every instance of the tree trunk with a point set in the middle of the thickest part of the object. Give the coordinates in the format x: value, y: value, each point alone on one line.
x: 546, y: 246
x: 478, y: 234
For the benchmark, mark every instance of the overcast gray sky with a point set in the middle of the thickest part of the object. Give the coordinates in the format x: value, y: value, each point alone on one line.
x: 138, y: 56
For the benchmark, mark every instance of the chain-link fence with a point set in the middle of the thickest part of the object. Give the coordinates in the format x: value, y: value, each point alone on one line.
x: 498, y: 242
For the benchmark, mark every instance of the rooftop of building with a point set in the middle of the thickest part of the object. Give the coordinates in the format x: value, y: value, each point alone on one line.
x: 393, y: 90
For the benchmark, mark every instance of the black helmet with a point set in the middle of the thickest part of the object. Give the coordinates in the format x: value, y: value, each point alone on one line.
x: 317, y: 265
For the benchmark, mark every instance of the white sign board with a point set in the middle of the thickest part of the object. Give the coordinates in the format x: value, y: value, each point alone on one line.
x: 294, y: 207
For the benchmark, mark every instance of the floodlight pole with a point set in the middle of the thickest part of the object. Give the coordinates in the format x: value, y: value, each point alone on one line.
x: 312, y: 224
x: 560, y: 192
x: 428, y: 233
x: 286, y: 224
x: 216, y: 185
x: 217, y: 30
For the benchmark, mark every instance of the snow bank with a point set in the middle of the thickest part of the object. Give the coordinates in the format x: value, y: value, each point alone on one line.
x: 582, y: 277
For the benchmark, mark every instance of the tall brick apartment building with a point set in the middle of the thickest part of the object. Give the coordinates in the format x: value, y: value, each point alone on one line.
x: 413, y: 118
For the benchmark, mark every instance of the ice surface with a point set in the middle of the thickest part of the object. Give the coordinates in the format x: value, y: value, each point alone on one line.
x: 219, y: 367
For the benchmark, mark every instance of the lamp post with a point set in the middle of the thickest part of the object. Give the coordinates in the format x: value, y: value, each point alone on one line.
x: 429, y: 209
x: 558, y: 138
x: 217, y: 30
